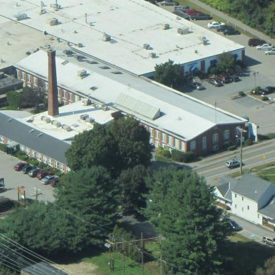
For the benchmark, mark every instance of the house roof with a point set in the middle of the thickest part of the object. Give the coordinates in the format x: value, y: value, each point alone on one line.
x: 225, y: 186
x: 251, y: 187
x: 39, y: 141
x: 42, y: 268
x: 269, y: 210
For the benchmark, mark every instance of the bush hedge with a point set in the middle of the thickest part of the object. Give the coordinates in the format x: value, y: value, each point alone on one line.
x: 183, y: 157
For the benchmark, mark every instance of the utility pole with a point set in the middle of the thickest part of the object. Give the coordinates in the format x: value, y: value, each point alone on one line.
x: 241, y: 130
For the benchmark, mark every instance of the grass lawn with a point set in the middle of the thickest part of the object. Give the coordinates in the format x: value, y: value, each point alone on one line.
x: 238, y: 238
x: 122, y: 265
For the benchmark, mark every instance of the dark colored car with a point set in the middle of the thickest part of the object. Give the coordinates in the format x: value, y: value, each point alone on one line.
x: 198, y: 86
x: 234, y: 226
x: 229, y: 30
x: 225, y: 79
x: 41, y: 174
x: 54, y: 181
x: 19, y: 166
x: 269, y: 89
x: 253, y: 42
x: 216, y: 82
x: 27, y: 168
x: 235, y: 78
x: 33, y: 172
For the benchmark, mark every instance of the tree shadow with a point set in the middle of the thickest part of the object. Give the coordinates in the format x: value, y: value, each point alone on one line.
x: 157, y: 164
x: 245, y: 257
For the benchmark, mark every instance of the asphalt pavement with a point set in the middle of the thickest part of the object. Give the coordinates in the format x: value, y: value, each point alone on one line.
x: 14, y: 179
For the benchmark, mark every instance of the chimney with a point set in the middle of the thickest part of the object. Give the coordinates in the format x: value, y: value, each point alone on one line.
x: 52, y: 85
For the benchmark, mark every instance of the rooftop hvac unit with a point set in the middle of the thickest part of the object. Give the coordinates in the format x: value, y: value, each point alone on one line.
x: 153, y: 55
x: 183, y: 31
x: 146, y: 46
x: 66, y: 127
x: 21, y: 16
x: 86, y: 102
x: 204, y: 40
x: 53, y: 22
x: 91, y: 120
x: 105, y: 108
x: 82, y: 73
x: 87, y: 119
x: 84, y: 116
x: 166, y: 27
x: 47, y: 119
x: 56, y: 123
x: 106, y: 37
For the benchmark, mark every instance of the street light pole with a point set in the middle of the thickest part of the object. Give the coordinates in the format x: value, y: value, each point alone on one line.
x: 241, y: 153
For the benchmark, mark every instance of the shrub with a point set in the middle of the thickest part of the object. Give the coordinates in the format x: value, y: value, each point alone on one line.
x: 241, y: 93
x: 264, y: 98
x: 3, y: 147
x: 163, y: 152
x: 21, y: 155
x: 271, y: 135
x: 232, y: 147
x: 182, y: 157
x: 248, y: 142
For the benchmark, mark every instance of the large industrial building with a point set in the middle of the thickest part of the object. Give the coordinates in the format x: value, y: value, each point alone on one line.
x: 105, y: 52
x: 134, y: 35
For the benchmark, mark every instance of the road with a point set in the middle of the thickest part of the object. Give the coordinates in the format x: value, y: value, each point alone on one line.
x: 213, y: 167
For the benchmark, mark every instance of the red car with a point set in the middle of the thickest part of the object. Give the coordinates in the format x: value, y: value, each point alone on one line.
x: 41, y: 174
x: 19, y: 166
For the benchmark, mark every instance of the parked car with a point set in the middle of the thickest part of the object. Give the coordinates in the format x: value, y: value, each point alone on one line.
x: 264, y: 47
x: 26, y: 169
x: 225, y: 79
x: 54, y: 181
x: 198, y: 86
x: 253, y: 42
x: 215, y: 25
x: 233, y: 163
x: 270, y: 89
x: 19, y: 166
x: 48, y: 179
x: 215, y: 82
x: 234, y: 226
x: 229, y: 30
x: 269, y: 241
x: 41, y: 174
x: 270, y: 52
x: 33, y: 172
x: 235, y: 78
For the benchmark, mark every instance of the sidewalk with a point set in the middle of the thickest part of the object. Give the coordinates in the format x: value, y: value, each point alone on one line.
x: 237, y: 23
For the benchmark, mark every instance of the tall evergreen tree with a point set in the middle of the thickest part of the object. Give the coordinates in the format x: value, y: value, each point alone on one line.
x: 182, y: 207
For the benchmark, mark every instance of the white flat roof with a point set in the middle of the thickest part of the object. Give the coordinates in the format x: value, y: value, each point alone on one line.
x: 131, y: 24
x: 69, y: 115
x: 180, y: 114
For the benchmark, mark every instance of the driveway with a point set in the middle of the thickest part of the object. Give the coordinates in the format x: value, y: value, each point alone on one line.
x: 14, y: 179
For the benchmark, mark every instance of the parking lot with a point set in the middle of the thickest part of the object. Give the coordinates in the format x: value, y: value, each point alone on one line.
x: 14, y: 179
x: 260, y: 73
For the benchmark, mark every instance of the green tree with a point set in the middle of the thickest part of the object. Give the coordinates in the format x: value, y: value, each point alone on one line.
x: 121, y: 145
x: 182, y: 207
x: 133, y: 188
x: 31, y: 97
x: 95, y: 147
x: 89, y: 195
x: 169, y: 74
x: 268, y: 269
x: 14, y: 99
x: 133, y: 143
x: 44, y: 228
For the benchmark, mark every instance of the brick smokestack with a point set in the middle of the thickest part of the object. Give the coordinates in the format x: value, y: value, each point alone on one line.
x: 52, y: 85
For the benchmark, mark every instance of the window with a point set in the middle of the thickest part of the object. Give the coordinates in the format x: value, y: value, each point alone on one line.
x: 213, y: 62
x: 215, y: 138
x: 235, y: 195
x: 226, y: 135
x: 192, y: 145
x: 204, y: 143
x: 242, y: 198
x: 247, y: 207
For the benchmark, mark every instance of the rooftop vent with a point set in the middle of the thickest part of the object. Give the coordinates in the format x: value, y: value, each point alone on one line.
x: 183, y: 31
x: 91, y: 120
x: 54, y: 22
x: 204, y: 40
x: 146, y: 46
x: 166, y: 27
x: 86, y: 102
x: 56, y: 123
x: 84, y: 116
x: 82, y: 73
x: 21, y: 16
x: 153, y: 55
x: 67, y: 127
x: 106, y: 37
x: 93, y: 88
